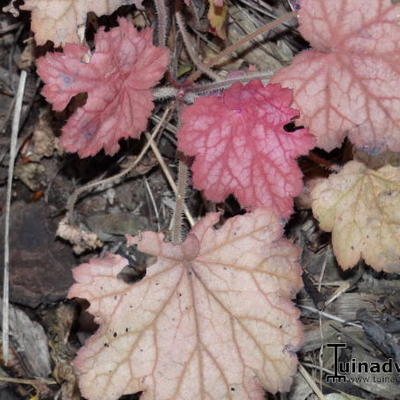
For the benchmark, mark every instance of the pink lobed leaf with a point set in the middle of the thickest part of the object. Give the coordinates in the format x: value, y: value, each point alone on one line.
x: 117, y: 80
x: 212, y: 318
x: 241, y: 146
x: 349, y: 84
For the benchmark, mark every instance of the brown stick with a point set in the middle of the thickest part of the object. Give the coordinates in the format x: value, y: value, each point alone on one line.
x: 230, y: 49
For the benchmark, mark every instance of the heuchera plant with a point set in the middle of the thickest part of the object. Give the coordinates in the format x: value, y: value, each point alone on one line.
x: 348, y: 84
x: 365, y: 221
x: 242, y: 148
x: 213, y: 319
x: 117, y: 80
x: 210, y: 320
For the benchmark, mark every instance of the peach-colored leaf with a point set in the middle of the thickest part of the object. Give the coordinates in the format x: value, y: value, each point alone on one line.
x: 241, y: 147
x: 360, y: 206
x: 349, y: 84
x: 59, y: 20
x: 212, y: 319
x: 117, y: 80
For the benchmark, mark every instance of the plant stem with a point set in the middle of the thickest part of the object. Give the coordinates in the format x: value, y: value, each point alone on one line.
x: 162, y: 21
x: 322, y: 162
x: 166, y: 92
x: 223, y: 84
x: 168, y: 175
x: 180, y: 202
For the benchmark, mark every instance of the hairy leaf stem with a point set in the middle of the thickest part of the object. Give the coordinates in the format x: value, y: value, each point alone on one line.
x: 190, y: 93
x: 162, y: 21
x: 180, y: 202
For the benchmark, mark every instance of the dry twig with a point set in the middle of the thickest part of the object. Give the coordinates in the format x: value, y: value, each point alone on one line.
x: 13, y: 154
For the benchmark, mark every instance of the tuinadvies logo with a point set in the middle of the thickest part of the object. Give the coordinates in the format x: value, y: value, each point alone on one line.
x: 378, y: 372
